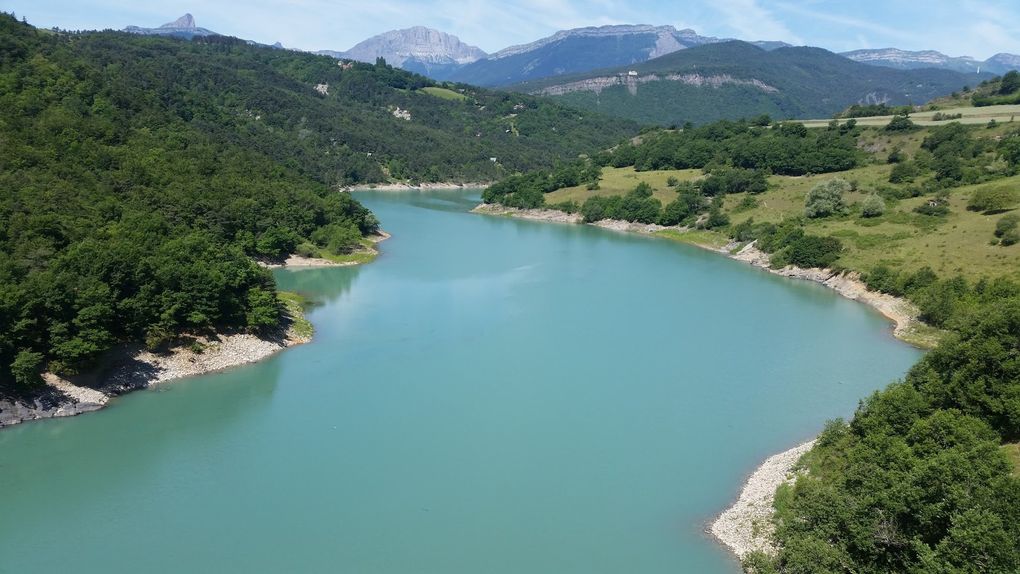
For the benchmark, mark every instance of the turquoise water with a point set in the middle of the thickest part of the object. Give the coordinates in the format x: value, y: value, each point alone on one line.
x: 489, y: 396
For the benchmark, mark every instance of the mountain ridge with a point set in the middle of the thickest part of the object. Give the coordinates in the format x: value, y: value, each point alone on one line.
x: 912, y: 59
x: 730, y: 80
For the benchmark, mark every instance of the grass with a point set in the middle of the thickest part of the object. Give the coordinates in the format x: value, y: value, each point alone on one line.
x: 365, y: 254
x: 295, y: 305
x: 618, y: 181
x: 971, y: 115
x: 958, y: 244
x: 700, y: 237
x: 444, y: 94
x: 1013, y: 453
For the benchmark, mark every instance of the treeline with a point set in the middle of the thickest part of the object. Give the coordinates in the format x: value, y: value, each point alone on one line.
x: 737, y: 155
x: 873, y: 110
x: 999, y: 91
x: 129, y: 213
x: 786, y: 148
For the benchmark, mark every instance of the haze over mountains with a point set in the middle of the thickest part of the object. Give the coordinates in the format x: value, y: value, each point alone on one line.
x: 440, y: 55
x: 907, y: 60
x: 443, y: 56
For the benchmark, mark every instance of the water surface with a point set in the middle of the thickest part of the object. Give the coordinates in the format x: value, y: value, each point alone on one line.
x: 489, y: 396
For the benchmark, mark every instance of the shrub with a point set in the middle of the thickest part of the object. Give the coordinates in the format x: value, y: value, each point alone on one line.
x: 992, y: 199
x: 814, y: 251
x: 826, y: 199
x: 873, y: 206
x: 1007, y: 229
x: 903, y: 172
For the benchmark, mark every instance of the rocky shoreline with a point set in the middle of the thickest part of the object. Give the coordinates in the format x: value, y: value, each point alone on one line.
x: 132, y: 368
x: 746, y: 526
x: 443, y: 186
x: 900, y: 311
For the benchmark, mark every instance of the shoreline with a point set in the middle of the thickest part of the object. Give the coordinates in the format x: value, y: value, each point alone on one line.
x: 132, y: 367
x: 899, y: 311
x: 746, y: 525
x: 297, y: 262
x: 440, y: 186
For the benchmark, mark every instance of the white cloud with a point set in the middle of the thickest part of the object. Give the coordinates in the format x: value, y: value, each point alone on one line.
x: 751, y: 21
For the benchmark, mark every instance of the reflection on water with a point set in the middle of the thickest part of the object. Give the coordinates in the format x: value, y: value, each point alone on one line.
x: 323, y: 284
x: 490, y: 395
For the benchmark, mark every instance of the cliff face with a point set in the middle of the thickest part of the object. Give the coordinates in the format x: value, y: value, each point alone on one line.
x: 632, y: 81
x: 420, y: 44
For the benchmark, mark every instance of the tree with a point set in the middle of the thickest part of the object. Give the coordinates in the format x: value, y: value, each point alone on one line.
x: 900, y: 123
x: 27, y: 367
x: 263, y: 311
x: 826, y: 198
x: 1010, y: 83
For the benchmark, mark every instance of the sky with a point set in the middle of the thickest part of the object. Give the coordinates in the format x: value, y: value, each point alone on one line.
x: 957, y: 27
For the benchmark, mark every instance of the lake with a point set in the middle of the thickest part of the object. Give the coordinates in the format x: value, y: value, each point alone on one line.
x: 489, y: 396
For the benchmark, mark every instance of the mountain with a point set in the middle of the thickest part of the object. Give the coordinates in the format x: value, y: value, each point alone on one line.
x: 443, y: 57
x: 183, y: 27
x: 730, y: 80
x: 578, y: 50
x: 422, y: 50
x: 907, y: 60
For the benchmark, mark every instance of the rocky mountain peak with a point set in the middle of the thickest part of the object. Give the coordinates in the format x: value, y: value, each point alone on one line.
x: 419, y: 43
x: 186, y: 21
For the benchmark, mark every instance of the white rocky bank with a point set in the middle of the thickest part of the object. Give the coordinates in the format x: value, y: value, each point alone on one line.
x: 132, y: 368
x: 746, y: 526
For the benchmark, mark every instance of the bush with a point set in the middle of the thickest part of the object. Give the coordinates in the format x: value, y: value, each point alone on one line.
x: 814, y: 251
x: 903, y: 172
x: 826, y: 199
x: 992, y: 199
x: 873, y: 206
x: 1007, y: 229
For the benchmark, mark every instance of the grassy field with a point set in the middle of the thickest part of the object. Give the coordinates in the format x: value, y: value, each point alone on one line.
x: 971, y: 115
x: 618, y: 181
x: 444, y: 93
x: 956, y: 244
x: 959, y: 243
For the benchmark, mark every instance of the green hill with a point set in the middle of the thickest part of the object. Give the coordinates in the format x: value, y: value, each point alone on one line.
x: 731, y: 80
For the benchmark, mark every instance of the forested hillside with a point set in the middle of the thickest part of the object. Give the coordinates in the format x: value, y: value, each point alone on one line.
x: 141, y: 175
x: 732, y: 80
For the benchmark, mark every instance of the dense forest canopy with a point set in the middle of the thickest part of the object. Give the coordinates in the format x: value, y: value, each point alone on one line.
x: 141, y: 175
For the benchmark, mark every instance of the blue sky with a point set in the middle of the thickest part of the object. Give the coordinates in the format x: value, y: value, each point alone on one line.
x: 958, y: 27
